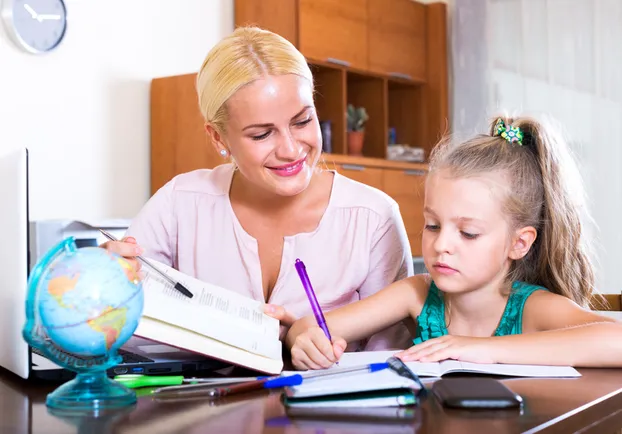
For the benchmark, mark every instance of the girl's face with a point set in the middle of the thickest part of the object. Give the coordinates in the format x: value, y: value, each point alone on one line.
x: 273, y: 133
x: 466, y: 238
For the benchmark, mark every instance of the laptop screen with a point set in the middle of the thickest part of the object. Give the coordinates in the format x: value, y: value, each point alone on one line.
x: 15, y: 355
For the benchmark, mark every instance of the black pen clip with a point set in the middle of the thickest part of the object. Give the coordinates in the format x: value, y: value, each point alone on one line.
x: 399, y: 367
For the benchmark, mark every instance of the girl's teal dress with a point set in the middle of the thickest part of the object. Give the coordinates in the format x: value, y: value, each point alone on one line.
x: 431, y: 321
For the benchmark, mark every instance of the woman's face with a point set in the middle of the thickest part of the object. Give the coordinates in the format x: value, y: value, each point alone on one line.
x: 273, y: 133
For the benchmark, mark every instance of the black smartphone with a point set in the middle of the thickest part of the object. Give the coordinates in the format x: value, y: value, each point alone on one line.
x: 475, y: 392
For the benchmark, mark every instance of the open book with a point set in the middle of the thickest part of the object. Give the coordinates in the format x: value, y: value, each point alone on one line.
x: 438, y: 369
x: 216, y: 322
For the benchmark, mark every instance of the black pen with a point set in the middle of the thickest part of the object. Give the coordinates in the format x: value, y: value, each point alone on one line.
x: 178, y: 286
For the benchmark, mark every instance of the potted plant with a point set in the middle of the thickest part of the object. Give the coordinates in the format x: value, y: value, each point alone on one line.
x: 357, y: 116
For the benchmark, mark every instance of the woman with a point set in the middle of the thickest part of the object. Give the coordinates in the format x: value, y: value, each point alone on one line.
x: 242, y: 225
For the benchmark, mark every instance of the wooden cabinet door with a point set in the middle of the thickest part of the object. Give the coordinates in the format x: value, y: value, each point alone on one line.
x: 397, y: 38
x: 278, y: 16
x: 407, y: 188
x: 334, y: 31
x: 179, y: 142
x: 367, y: 175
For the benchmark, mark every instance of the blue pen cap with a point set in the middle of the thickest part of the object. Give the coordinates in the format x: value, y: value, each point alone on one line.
x: 373, y: 367
x: 290, y: 380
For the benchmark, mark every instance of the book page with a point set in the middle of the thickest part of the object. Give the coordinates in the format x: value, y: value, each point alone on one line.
x: 223, y: 300
x: 437, y: 369
x: 361, y: 358
x: 454, y: 366
x: 356, y: 358
x: 425, y: 369
x: 213, y: 311
x: 367, y: 357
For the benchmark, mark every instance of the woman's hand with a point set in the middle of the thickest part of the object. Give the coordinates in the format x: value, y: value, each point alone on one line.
x: 279, y: 312
x: 465, y: 349
x: 313, y: 350
x: 127, y: 247
x: 285, y: 317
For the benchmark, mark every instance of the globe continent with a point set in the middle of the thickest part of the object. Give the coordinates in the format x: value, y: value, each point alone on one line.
x: 90, y: 302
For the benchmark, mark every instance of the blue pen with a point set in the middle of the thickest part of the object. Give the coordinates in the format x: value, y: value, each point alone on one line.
x: 225, y: 390
x: 372, y: 367
x: 315, y: 306
x: 220, y: 390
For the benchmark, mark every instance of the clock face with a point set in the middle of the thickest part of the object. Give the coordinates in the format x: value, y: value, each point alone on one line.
x: 36, y: 25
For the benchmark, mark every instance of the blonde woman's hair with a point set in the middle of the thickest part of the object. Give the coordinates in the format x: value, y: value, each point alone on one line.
x: 545, y: 192
x: 248, y: 54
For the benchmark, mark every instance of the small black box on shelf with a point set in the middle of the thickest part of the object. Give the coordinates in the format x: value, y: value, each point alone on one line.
x: 326, y: 129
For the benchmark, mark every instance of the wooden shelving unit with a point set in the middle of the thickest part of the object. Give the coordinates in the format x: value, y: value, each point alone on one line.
x: 330, y: 102
x: 390, y: 103
x: 389, y: 56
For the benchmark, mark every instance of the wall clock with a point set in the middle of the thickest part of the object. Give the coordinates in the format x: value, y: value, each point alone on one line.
x: 36, y: 26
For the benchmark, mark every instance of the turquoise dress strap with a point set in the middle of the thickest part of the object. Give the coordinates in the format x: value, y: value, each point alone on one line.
x: 431, y: 321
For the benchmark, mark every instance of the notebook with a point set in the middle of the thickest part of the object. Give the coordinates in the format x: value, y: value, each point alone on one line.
x: 438, y: 369
x: 383, y: 388
x: 216, y: 322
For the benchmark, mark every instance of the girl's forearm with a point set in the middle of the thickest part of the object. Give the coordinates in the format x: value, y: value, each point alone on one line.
x: 590, y: 345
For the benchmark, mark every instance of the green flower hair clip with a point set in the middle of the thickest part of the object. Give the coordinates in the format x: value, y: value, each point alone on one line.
x: 511, y: 134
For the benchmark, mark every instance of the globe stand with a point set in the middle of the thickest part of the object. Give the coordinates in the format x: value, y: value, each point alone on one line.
x: 91, y: 392
x: 82, y: 306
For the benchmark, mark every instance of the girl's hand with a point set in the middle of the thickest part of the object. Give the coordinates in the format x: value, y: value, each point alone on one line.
x: 465, y: 349
x: 128, y: 248
x: 313, y: 350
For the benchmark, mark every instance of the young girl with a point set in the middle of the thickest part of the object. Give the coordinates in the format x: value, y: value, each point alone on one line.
x: 509, y: 279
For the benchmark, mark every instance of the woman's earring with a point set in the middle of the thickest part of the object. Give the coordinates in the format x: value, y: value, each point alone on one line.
x: 223, y: 152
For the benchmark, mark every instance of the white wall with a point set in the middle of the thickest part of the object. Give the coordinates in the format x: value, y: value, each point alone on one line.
x: 83, y: 109
x: 558, y: 57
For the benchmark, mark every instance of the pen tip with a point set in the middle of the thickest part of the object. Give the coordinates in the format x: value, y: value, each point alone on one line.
x: 181, y: 288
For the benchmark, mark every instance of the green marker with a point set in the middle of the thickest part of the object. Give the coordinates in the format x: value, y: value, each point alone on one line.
x: 136, y: 381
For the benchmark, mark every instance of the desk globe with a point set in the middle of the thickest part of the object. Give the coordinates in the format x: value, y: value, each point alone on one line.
x: 82, y: 305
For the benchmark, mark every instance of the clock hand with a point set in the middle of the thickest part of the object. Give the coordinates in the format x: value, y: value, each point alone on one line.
x: 43, y: 17
x: 30, y: 10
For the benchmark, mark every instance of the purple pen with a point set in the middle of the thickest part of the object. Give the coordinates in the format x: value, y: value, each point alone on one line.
x: 317, y: 310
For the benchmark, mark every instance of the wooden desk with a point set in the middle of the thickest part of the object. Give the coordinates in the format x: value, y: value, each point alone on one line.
x: 592, y: 403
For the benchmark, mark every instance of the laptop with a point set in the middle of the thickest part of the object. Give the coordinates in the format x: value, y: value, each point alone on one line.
x: 139, y: 356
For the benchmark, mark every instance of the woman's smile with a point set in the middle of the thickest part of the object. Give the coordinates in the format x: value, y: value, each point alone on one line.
x: 290, y: 169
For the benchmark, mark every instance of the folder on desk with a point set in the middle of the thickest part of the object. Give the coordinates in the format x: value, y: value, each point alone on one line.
x: 376, y: 389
